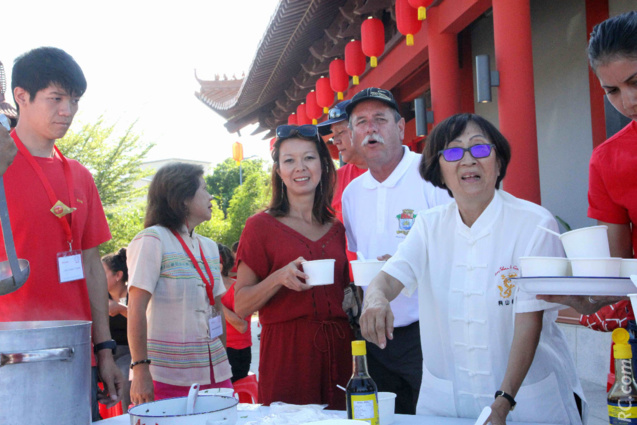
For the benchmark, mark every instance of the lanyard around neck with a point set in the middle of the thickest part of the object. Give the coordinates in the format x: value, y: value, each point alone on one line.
x: 47, y: 185
x: 209, y: 283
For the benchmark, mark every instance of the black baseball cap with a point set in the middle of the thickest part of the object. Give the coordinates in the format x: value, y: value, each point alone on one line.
x: 335, y: 114
x: 372, y: 93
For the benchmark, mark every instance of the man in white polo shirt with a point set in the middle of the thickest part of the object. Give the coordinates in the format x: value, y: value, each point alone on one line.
x: 379, y: 208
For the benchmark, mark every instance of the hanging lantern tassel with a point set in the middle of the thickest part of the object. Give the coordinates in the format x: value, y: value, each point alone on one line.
x: 373, y: 39
x: 407, y: 20
x: 422, y: 6
x: 339, y: 80
x: 354, y: 60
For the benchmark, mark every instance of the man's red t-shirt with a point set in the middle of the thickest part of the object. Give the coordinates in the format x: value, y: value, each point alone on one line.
x: 39, y: 237
x: 612, y: 187
x: 344, y: 176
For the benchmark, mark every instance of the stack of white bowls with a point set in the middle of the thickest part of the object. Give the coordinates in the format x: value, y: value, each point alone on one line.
x: 589, y: 254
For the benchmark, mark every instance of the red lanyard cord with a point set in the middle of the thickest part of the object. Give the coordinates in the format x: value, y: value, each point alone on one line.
x: 209, y: 283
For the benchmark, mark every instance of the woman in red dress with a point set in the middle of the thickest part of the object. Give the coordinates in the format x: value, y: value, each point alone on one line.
x: 306, y: 339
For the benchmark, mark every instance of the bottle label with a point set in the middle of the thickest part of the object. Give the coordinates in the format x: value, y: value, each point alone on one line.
x: 365, y: 407
x: 622, y: 413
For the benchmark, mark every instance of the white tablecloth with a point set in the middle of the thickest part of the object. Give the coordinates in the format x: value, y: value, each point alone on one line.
x: 264, y: 411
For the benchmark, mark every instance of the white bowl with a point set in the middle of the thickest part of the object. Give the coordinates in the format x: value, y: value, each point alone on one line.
x: 320, y: 272
x: 628, y: 267
x: 544, y: 266
x: 386, y: 407
x: 365, y: 271
x: 597, y: 267
x: 587, y: 242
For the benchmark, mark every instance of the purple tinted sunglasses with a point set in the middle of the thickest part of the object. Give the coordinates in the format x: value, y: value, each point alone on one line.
x: 476, y: 151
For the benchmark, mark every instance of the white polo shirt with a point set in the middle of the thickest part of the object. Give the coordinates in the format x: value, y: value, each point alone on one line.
x: 378, y: 217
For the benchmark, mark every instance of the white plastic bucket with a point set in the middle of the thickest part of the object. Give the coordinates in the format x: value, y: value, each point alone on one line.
x: 386, y: 407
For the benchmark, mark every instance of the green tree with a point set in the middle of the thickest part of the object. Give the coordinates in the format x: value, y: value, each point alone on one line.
x: 115, y: 164
x: 225, y: 179
x: 125, y: 221
x: 251, y: 197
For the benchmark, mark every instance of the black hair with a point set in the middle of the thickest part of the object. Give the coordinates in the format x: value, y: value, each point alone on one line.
x: 172, y: 186
x: 117, y: 263
x: 450, y: 129
x: 614, y: 38
x: 226, y: 259
x: 37, y: 69
x: 322, y: 210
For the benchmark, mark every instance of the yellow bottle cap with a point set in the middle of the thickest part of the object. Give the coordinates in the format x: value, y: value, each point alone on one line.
x: 359, y: 348
x: 622, y: 347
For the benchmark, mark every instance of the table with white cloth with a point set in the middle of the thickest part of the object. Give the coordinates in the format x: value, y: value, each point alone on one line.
x: 254, y: 415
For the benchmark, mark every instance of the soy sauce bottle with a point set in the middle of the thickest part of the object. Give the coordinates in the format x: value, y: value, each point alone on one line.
x: 622, y: 397
x: 362, y: 394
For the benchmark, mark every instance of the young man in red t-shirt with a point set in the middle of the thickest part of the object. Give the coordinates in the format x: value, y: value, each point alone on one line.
x: 57, y: 216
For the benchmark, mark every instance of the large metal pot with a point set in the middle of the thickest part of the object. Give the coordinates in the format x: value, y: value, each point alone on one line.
x: 45, y: 372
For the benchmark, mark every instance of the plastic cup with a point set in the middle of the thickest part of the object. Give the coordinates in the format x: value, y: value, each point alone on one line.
x: 544, y: 266
x: 633, y: 301
x: 320, y: 272
x: 365, y: 271
x: 628, y: 267
x: 596, y: 267
x: 587, y: 242
x: 386, y: 407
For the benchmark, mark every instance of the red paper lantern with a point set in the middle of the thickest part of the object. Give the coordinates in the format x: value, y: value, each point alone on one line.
x: 339, y: 80
x: 373, y: 39
x: 407, y: 20
x: 324, y: 94
x: 422, y: 6
x: 292, y: 119
x: 301, y: 115
x: 312, y: 109
x: 354, y: 60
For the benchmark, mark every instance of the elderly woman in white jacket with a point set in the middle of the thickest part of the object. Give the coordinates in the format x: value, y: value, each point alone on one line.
x: 483, y: 342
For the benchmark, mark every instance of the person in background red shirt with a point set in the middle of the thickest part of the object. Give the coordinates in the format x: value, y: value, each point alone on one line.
x: 355, y: 164
x: 238, y: 336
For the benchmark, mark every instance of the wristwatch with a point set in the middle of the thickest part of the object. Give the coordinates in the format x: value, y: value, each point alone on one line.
x: 109, y: 343
x: 509, y: 398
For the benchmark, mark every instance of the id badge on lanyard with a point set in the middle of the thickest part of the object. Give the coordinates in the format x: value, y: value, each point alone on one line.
x: 214, y: 324
x: 70, y: 266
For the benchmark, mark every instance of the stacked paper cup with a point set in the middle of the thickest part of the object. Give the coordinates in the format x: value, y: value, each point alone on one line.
x: 589, y: 253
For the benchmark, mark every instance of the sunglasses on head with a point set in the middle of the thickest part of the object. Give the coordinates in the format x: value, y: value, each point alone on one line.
x: 308, y: 131
x: 476, y: 151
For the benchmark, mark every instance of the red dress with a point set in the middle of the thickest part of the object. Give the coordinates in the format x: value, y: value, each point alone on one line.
x: 306, y: 339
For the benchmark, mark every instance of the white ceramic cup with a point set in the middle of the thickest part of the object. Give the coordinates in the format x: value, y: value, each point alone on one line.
x: 596, y: 267
x: 320, y: 272
x: 587, y: 242
x: 386, y: 407
x: 628, y: 267
x: 365, y: 271
x: 544, y: 266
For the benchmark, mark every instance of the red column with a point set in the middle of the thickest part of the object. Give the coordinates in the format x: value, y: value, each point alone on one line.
x: 444, y: 72
x: 516, y: 95
x: 596, y: 12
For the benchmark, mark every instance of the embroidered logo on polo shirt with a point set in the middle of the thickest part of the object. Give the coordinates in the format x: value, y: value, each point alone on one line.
x: 405, y: 221
x: 505, y: 275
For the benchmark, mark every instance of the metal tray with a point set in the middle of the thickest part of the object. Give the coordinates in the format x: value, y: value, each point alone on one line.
x: 577, y: 285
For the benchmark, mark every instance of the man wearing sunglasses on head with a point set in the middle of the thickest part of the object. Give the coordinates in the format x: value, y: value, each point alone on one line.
x: 379, y: 209
x: 355, y: 164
